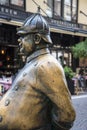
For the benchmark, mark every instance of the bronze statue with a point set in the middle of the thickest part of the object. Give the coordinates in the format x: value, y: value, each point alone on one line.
x: 39, y: 98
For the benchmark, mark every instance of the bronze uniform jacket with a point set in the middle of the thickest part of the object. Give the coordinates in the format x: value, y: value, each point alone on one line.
x: 40, y: 83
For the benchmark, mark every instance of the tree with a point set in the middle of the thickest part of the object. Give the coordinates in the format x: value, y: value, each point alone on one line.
x: 80, y: 49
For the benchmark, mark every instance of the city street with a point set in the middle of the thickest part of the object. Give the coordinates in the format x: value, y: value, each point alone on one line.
x: 80, y: 104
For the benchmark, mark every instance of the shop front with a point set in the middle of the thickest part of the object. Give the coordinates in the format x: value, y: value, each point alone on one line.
x: 64, y: 36
x: 8, y: 45
x: 12, y: 16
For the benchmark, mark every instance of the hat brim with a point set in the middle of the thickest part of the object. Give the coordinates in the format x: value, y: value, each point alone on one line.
x: 22, y: 31
x: 25, y: 30
x: 47, y: 38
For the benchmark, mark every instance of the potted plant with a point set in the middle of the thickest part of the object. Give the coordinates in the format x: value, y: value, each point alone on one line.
x: 69, y: 75
x: 68, y: 72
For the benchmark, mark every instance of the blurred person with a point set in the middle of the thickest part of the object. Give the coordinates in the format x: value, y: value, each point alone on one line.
x: 81, y: 80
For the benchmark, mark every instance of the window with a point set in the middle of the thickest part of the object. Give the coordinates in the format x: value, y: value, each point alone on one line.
x: 67, y: 10
x: 4, y: 2
x: 70, y: 10
x: 57, y: 8
x: 49, y: 10
x: 64, y: 9
x: 74, y: 10
x: 49, y: 3
x: 19, y: 4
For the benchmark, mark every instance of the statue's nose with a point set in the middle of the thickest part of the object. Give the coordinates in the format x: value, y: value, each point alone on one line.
x: 20, y: 39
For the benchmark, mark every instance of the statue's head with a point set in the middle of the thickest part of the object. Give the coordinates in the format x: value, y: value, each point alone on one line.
x: 34, y: 29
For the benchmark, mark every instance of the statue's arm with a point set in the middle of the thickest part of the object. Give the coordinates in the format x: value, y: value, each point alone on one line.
x: 53, y: 84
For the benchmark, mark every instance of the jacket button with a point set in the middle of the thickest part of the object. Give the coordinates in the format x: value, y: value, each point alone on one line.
x: 7, y: 102
x: 16, y: 88
x: 24, y: 74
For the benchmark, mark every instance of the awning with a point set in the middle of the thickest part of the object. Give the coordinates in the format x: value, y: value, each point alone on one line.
x: 11, y: 22
x: 68, y: 32
x: 57, y: 29
x: 69, y: 28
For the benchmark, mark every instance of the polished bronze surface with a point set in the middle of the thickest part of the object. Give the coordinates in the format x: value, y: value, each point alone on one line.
x: 39, y: 96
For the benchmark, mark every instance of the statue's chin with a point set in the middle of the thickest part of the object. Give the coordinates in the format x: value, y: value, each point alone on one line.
x: 26, y: 53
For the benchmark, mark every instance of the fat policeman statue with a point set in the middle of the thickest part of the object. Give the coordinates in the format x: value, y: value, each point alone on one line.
x: 39, y: 98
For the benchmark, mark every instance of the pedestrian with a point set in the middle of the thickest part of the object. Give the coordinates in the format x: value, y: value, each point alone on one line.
x: 81, y: 80
x: 39, y: 98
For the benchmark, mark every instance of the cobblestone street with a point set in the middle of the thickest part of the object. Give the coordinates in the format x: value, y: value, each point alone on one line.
x: 80, y: 105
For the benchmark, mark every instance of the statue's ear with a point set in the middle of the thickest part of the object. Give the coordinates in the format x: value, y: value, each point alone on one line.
x: 37, y: 38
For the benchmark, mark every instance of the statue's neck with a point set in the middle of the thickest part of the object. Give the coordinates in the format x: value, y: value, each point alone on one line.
x: 41, y: 46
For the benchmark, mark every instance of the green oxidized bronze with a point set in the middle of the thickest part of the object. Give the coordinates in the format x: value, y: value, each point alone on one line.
x: 39, y: 98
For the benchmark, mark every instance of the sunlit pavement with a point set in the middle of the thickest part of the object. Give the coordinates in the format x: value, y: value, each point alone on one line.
x: 80, y: 105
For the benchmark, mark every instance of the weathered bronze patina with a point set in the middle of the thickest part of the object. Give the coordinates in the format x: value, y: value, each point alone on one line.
x: 39, y: 98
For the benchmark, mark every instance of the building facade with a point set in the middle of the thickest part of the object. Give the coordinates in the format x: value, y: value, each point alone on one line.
x: 68, y: 26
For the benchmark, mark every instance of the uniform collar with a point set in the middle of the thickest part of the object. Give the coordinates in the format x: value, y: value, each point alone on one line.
x: 38, y: 53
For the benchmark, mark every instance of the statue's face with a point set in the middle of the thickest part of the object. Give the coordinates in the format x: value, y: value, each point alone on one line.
x: 26, y: 44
